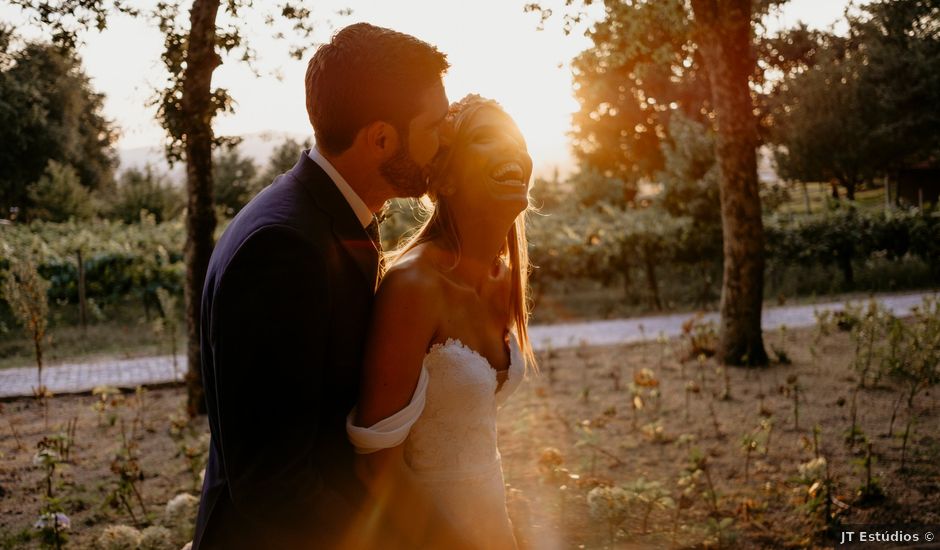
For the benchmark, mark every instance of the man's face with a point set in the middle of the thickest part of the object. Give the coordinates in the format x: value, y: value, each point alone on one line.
x: 406, y: 171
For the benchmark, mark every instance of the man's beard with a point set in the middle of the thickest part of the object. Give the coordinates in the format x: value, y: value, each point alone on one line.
x: 404, y: 175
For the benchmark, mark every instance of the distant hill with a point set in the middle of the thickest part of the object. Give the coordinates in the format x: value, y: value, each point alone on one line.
x: 257, y: 147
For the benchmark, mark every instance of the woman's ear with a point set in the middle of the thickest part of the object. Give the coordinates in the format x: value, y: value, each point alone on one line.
x: 448, y: 187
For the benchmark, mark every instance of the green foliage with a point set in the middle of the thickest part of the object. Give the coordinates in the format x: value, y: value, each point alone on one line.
x: 52, y: 522
x: 846, y: 237
x: 611, y: 505
x: 628, y: 88
x: 817, y: 126
x: 870, y: 334
x: 901, y: 46
x: 25, y: 291
x: 914, y: 350
x: 58, y: 195
x: 121, y: 260
x: 235, y: 180
x: 887, y: 67
x: 690, y: 173
x: 166, y: 325
x: 145, y: 192
x: 128, y: 476
x: 645, y: 73
x: 282, y: 159
x: 592, y: 187
x: 648, y: 495
x: 49, y: 112
x: 549, y: 194
x: 603, y: 244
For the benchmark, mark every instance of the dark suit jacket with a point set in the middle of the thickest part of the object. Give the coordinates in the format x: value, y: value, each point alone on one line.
x: 285, y: 310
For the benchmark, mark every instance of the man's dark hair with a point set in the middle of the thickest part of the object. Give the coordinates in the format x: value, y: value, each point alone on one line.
x: 364, y: 74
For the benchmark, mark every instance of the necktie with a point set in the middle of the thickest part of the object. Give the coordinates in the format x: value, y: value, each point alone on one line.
x: 373, y: 231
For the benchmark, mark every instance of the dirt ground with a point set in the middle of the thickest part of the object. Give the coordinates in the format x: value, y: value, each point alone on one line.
x: 581, y: 405
x: 161, y: 438
x: 603, y: 433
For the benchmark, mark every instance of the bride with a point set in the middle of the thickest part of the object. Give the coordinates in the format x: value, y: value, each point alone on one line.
x: 449, y: 343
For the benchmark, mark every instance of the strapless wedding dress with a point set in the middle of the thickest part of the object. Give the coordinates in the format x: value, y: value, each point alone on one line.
x: 449, y: 435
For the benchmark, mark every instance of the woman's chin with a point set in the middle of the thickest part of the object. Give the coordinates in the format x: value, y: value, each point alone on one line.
x: 512, y: 195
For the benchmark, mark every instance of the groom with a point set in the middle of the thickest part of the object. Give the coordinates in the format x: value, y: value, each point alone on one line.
x: 288, y: 297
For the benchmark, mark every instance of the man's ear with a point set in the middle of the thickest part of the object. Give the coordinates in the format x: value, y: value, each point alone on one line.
x: 382, y: 139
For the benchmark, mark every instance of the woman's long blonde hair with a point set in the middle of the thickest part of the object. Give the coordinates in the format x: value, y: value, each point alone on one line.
x: 439, y: 222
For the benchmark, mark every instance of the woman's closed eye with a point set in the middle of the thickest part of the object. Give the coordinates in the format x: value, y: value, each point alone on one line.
x: 485, y: 136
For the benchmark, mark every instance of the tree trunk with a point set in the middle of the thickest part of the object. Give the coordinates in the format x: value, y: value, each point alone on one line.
x: 625, y: 270
x: 649, y: 264
x: 201, y: 61
x: 723, y: 33
x: 850, y: 190
x: 809, y: 210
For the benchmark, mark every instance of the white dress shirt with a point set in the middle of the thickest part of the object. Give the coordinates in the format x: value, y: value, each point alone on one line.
x: 355, y: 202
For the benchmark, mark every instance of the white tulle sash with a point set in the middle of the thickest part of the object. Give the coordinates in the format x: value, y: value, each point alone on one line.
x: 392, y: 431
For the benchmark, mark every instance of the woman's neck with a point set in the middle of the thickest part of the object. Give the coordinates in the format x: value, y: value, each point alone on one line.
x: 480, y: 248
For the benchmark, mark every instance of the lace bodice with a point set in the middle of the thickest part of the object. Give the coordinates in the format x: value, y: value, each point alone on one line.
x: 456, y: 433
x: 449, y: 434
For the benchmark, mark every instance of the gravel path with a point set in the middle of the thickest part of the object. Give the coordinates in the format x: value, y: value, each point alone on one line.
x: 129, y: 373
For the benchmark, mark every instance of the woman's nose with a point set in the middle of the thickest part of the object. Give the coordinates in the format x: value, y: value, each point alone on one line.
x: 513, y: 146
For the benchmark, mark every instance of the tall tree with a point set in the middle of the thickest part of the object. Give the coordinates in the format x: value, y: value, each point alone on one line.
x: 899, y: 42
x: 144, y: 190
x: 186, y: 109
x: 640, y: 71
x: 644, y: 68
x: 654, y: 59
x: 886, y: 67
x: 49, y: 112
x: 724, y: 35
x: 817, y: 126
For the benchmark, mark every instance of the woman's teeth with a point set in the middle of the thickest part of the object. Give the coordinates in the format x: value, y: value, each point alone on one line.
x: 509, y: 173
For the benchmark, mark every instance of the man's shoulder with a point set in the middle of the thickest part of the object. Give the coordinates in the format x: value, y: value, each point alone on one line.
x: 280, y: 217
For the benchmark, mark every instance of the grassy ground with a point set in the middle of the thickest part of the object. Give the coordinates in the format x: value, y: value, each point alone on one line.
x: 576, y: 426
x: 124, y: 331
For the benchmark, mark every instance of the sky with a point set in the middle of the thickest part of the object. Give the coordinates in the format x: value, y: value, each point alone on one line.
x: 494, y: 48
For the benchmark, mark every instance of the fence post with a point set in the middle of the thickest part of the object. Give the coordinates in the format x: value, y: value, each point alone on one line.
x: 82, y: 304
x: 887, y: 194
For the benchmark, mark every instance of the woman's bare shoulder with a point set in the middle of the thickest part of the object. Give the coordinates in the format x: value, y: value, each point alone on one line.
x: 414, y: 277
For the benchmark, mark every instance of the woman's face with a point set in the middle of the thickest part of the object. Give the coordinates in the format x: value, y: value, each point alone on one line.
x: 490, y: 168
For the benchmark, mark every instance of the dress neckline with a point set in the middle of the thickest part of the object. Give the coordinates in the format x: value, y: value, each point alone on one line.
x: 513, y: 361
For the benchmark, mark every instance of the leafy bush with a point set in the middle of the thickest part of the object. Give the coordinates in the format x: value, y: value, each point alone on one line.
x: 120, y: 260
x: 59, y: 195
x: 145, y: 191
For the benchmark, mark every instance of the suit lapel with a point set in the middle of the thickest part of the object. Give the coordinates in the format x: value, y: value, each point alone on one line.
x: 345, y: 225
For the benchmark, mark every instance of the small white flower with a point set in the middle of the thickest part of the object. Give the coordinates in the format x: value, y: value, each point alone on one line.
x: 119, y: 537
x: 53, y: 521
x: 156, y: 537
x: 45, y: 458
x: 813, y: 470
x: 180, y: 515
